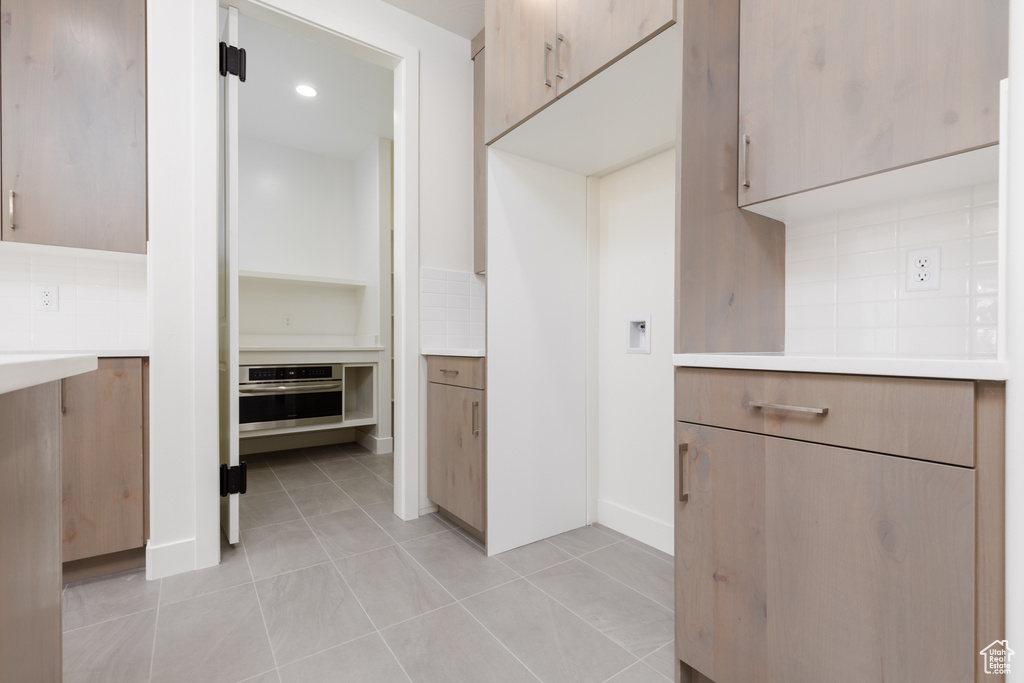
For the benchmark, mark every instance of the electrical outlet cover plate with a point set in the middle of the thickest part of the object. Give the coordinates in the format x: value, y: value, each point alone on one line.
x: 47, y: 297
x: 924, y: 269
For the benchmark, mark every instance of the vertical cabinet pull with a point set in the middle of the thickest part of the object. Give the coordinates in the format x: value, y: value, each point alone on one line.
x: 746, y: 148
x: 684, y: 495
x: 559, y: 39
x: 476, y: 412
x: 63, y: 410
x: 547, y: 53
x: 10, y: 210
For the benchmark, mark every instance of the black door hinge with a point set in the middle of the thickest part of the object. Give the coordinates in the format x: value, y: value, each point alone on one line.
x: 232, y: 479
x: 232, y: 61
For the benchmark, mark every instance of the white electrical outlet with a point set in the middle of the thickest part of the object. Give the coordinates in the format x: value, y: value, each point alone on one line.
x: 287, y: 320
x: 924, y: 267
x: 47, y: 298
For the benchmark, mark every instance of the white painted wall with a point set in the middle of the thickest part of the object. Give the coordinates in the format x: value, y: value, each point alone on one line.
x: 1013, y: 138
x: 296, y: 211
x: 635, y: 392
x: 536, y: 341
x: 365, y: 245
x: 434, y: 82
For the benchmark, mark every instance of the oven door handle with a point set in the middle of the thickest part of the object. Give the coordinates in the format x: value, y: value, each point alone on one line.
x: 293, y: 389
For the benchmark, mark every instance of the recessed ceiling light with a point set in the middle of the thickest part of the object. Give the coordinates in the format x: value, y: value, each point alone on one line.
x: 306, y: 90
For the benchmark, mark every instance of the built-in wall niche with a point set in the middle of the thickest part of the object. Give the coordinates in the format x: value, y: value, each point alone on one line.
x: 849, y: 266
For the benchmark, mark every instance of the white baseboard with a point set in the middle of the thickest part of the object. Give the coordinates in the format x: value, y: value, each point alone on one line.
x: 170, y: 558
x: 376, y: 444
x: 644, y: 528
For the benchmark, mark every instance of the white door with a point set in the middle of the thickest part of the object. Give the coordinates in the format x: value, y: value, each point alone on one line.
x: 228, y: 313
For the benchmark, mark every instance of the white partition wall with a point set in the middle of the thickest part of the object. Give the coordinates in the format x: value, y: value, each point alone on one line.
x: 536, y: 364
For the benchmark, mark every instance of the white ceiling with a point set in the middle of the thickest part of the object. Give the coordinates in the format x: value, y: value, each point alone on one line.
x: 462, y: 17
x: 353, y: 108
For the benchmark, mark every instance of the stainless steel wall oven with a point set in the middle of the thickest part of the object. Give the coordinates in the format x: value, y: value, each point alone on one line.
x: 275, y: 396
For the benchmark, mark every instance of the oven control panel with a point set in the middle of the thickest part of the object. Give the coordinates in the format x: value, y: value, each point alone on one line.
x: 291, y: 372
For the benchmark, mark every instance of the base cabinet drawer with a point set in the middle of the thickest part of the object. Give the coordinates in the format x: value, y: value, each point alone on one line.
x: 814, y: 563
x: 456, y: 370
x: 927, y: 419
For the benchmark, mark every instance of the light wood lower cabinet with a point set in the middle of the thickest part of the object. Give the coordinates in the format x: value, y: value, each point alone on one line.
x: 456, y: 446
x: 30, y: 607
x: 801, y: 562
x: 103, y: 460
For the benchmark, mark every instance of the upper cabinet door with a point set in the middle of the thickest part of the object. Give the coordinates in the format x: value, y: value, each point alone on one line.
x: 593, y: 34
x: 73, y: 114
x: 832, y: 90
x: 520, y: 66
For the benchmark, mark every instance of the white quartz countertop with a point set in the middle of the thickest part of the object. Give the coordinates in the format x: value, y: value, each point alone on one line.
x: 19, y: 371
x: 466, y: 353
x: 890, y: 366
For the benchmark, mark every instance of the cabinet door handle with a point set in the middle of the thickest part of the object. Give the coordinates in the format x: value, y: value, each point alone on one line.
x: 547, y: 53
x: 449, y: 372
x: 63, y: 409
x: 746, y: 147
x: 10, y: 209
x: 782, y: 406
x: 476, y: 412
x: 684, y: 495
x: 559, y: 39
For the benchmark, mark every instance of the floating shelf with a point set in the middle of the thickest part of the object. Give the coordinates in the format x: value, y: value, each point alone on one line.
x: 288, y: 277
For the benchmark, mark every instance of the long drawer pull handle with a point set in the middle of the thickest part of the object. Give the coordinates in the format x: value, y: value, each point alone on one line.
x: 796, y: 409
x: 547, y: 54
x: 559, y: 39
x: 10, y: 209
x: 684, y: 495
x: 476, y: 406
x: 449, y: 372
x: 746, y: 172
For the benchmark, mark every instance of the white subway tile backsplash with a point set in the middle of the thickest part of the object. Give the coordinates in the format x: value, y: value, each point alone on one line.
x: 434, y: 300
x: 868, y: 215
x: 433, y: 314
x: 458, y: 315
x: 933, y: 341
x: 867, y: 264
x: 452, y: 310
x: 810, y: 317
x: 986, y: 194
x: 865, y: 238
x: 866, y: 315
x: 103, y: 300
x: 433, y: 286
x: 935, y: 312
x: 986, y: 250
x: 928, y: 205
x: 454, y: 301
x: 846, y: 278
x: 459, y: 288
x: 15, y: 272
x: 815, y: 270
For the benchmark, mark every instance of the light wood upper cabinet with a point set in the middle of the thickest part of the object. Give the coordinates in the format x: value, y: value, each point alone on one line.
x: 520, y: 66
x: 102, y: 454
x: 538, y: 50
x: 594, y: 33
x: 832, y: 90
x: 73, y: 118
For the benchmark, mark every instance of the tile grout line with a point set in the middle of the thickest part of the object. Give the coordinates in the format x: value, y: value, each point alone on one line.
x: 259, y: 604
x: 636, y: 590
x: 107, y: 621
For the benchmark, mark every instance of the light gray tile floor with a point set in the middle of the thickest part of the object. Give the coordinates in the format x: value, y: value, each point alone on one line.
x: 328, y: 585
